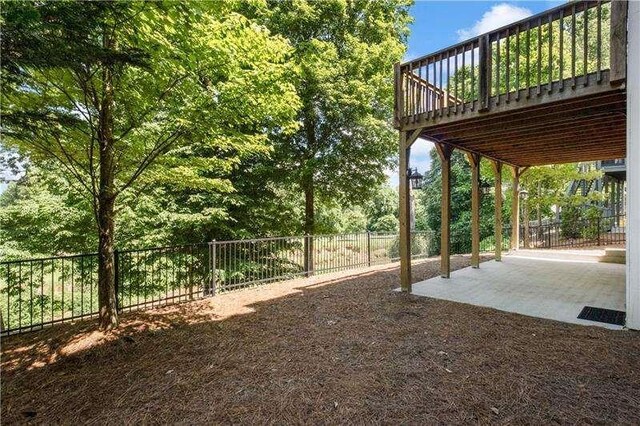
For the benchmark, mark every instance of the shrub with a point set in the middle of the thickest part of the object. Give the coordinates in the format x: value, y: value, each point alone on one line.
x: 421, y: 245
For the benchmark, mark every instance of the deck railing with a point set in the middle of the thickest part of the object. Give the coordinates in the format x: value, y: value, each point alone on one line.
x: 568, y: 47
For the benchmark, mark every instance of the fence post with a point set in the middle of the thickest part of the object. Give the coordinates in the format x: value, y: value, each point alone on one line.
x: 308, y: 255
x: 598, y: 230
x: 368, y: 248
x: 116, y: 271
x: 212, y: 268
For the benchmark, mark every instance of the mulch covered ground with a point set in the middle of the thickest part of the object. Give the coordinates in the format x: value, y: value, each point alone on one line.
x: 332, y: 349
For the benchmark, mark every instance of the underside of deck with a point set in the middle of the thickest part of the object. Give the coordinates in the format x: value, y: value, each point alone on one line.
x: 538, y: 129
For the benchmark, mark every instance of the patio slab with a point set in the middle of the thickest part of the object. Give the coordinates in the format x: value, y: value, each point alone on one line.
x: 553, y: 287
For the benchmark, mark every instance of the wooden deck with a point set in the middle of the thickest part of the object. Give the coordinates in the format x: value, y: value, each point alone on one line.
x: 548, y: 89
x: 526, y: 94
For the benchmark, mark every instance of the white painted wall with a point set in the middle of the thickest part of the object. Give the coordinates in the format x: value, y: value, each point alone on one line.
x: 633, y: 167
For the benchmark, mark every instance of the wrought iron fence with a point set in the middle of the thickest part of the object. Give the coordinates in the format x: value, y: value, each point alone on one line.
x: 38, y: 292
x: 580, y: 233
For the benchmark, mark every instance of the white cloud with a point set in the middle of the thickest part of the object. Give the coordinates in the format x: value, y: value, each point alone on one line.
x: 498, y: 16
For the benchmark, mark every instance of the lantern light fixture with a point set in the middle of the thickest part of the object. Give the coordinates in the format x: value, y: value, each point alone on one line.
x: 415, y: 178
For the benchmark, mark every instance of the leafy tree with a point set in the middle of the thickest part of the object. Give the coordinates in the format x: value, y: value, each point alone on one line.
x: 107, y: 88
x: 40, y: 216
x: 345, y: 51
x: 382, y: 210
x: 430, y: 199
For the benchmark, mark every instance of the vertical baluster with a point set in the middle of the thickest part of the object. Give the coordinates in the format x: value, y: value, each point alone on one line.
x: 457, y: 77
x: 507, y: 67
x: 414, y: 91
x: 528, y: 56
x: 585, y: 47
x: 441, y: 89
x: 464, y: 53
x: 420, y: 97
x: 497, y: 82
x: 599, y: 43
x: 550, y: 81
x: 539, y: 56
x: 561, y: 41
x: 473, y: 76
x: 427, y: 96
x: 434, y: 91
x: 573, y: 46
x: 405, y: 106
x: 518, y: 63
x: 448, y: 94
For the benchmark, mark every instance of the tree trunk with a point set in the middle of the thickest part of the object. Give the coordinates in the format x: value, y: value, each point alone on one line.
x: 106, y: 200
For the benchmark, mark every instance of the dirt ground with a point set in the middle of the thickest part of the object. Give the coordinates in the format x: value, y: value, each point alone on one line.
x: 331, y: 349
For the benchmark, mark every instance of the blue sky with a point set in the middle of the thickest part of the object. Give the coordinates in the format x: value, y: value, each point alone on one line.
x: 438, y: 24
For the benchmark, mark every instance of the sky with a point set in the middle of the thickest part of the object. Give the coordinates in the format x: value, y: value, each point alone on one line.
x: 438, y: 24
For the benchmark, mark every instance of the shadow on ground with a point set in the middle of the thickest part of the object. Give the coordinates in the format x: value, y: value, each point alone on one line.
x: 326, y: 350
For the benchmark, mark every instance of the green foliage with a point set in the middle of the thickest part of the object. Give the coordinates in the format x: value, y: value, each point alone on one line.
x: 423, y: 244
x: 571, y: 222
x: 40, y: 215
x: 192, y: 100
x: 386, y: 223
x: 430, y: 199
x: 344, y: 51
x: 592, y: 222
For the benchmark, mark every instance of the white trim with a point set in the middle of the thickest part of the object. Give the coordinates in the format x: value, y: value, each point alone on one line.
x: 633, y: 166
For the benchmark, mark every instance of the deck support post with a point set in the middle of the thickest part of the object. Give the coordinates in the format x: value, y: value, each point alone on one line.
x: 515, y: 207
x: 474, y: 161
x: 406, y: 140
x: 444, y: 151
x: 497, y: 168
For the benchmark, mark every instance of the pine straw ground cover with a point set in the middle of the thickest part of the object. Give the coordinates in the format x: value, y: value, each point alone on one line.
x: 331, y: 349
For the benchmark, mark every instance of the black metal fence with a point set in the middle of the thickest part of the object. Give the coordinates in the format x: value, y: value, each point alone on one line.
x: 39, y: 292
x: 579, y: 233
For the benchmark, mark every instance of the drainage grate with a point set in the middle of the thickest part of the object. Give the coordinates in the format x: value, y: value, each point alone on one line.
x: 608, y: 316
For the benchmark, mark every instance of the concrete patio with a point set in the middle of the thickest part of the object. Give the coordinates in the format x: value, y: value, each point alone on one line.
x: 548, y: 284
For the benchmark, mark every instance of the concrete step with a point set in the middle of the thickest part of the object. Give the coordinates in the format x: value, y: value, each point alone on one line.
x: 614, y: 255
x: 589, y: 255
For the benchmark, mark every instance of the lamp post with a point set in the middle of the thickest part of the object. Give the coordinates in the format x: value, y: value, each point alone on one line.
x: 415, y: 182
x: 524, y: 194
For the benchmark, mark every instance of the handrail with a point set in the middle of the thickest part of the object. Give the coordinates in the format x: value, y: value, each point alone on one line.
x: 534, y: 56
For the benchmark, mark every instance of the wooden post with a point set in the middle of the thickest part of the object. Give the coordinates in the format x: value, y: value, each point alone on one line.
x: 444, y: 151
x: 405, y: 231
x: 406, y: 140
x: 515, y: 210
x: 484, y: 72
x: 497, y: 168
x: 474, y: 160
x: 397, y: 89
x: 618, y: 40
